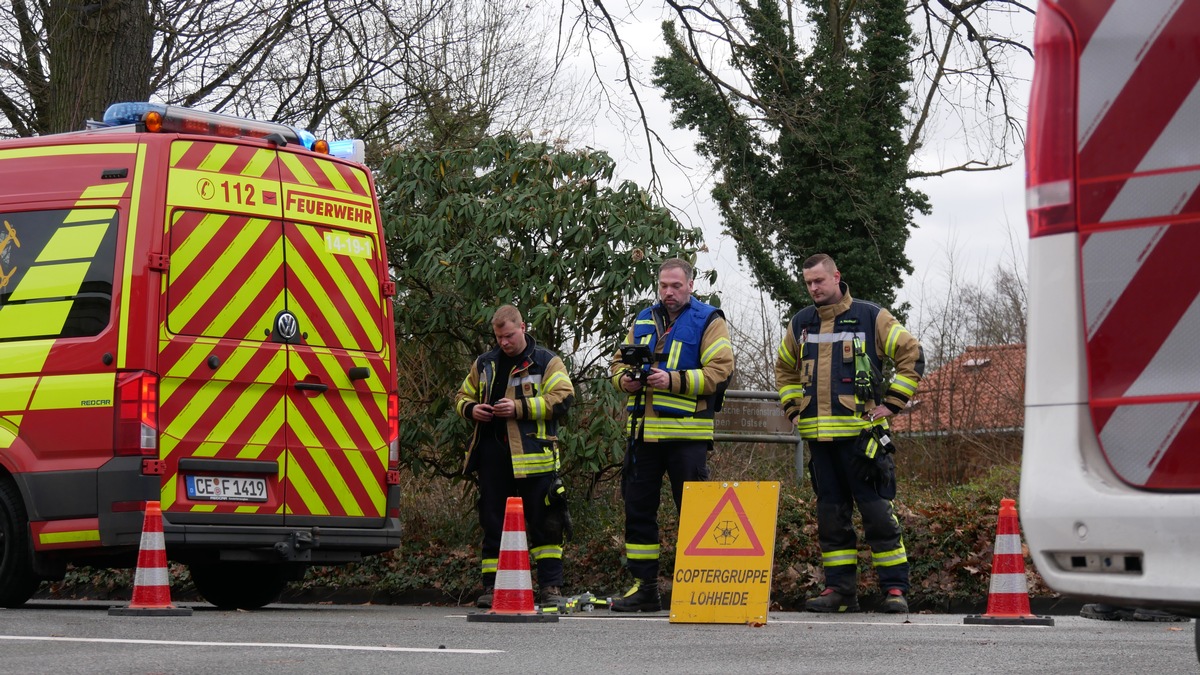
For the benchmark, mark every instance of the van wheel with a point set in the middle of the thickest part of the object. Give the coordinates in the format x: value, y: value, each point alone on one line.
x: 17, y: 580
x: 239, y: 585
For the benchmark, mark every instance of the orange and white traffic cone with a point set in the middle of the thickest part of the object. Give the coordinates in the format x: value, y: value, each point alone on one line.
x: 512, y: 597
x: 152, y: 581
x: 1008, y: 597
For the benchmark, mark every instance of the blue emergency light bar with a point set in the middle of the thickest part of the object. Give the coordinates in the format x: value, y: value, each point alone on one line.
x: 174, y: 119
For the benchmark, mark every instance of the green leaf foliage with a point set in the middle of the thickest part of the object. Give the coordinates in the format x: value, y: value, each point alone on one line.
x: 515, y: 221
x: 810, y: 151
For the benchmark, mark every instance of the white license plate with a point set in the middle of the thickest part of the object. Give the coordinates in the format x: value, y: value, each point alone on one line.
x: 225, y: 489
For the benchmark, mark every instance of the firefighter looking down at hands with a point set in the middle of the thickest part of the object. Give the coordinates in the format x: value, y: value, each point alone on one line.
x: 673, y: 395
x: 516, y: 394
x: 831, y: 386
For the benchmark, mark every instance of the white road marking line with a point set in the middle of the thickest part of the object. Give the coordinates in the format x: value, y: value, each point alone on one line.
x: 189, y: 643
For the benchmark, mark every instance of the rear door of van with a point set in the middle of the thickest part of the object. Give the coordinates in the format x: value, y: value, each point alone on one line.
x: 273, y: 357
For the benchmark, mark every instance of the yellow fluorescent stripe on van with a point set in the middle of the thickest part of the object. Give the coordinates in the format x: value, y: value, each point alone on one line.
x: 36, y: 319
x: 105, y: 191
x: 7, y: 434
x: 74, y: 391
x: 61, y: 150
x: 25, y: 356
x: 45, y: 282
x: 218, y: 155
x: 328, y: 470
x: 69, y: 537
x: 300, y: 487
x: 212, y: 232
x: 361, y: 177
x: 371, y: 483
x: 78, y: 216
x: 365, y: 309
x: 260, y: 163
x: 297, y: 168
x: 201, y: 401
x: 79, y: 242
x: 335, y: 177
x: 130, y: 241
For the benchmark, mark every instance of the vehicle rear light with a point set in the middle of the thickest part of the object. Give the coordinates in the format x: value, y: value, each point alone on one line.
x: 393, y: 410
x: 1050, y: 143
x: 136, y: 424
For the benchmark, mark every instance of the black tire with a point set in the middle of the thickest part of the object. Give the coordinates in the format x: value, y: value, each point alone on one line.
x: 17, y: 580
x: 239, y: 585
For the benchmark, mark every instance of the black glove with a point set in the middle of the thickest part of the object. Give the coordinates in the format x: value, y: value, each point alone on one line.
x: 558, y: 524
x: 872, y: 453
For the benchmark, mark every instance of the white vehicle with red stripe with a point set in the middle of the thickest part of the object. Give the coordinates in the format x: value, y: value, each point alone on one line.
x: 1110, y: 482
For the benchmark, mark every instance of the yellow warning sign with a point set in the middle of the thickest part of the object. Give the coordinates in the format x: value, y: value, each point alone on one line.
x: 724, y: 553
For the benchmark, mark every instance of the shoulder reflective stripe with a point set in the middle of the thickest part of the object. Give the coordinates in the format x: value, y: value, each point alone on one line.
x: 15, y: 392
x: 556, y: 379
x: 644, y: 322
x: 893, y: 337
x: 74, y: 391
x: 785, y: 355
x: 716, y: 346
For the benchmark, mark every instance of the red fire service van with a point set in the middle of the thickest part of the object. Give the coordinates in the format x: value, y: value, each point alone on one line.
x: 194, y: 310
x: 1110, y: 482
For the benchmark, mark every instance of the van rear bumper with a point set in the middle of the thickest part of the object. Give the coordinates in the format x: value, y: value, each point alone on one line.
x: 268, y: 543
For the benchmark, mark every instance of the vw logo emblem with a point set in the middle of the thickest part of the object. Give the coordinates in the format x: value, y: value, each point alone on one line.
x: 286, y: 326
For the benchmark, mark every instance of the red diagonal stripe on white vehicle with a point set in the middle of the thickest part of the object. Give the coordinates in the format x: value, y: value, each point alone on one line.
x: 1110, y: 58
x: 1143, y: 433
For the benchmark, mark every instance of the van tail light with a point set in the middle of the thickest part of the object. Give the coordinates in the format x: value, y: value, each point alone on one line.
x: 1050, y: 143
x: 136, y: 414
x: 393, y: 412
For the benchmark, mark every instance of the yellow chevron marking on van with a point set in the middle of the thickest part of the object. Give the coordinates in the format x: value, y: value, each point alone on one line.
x: 297, y: 168
x: 258, y: 166
x: 10, y: 427
x: 25, y: 356
x: 217, y: 156
x: 105, y: 191
x: 45, y: 282
x: 37, y: 319
x: 61, y: 150
x: 74, y: 391
x: 131, y: 239
x: 70, y: 537
x: 80, y: 242
x: 335, y: 177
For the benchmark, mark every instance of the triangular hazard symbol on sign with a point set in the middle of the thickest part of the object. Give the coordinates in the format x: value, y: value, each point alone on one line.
x: 730, y: 497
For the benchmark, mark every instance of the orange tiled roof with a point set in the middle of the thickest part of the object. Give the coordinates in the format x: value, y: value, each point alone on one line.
x: 981, y: 390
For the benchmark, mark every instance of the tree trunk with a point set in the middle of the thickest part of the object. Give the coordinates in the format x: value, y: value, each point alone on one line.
x: 99, y: 54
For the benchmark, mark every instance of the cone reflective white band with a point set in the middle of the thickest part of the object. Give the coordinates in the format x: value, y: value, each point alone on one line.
x: 1008, y: 544
x: 151, y: 576
x: 513, y: 541
x: 514, y: 580
x: 1009, y: 583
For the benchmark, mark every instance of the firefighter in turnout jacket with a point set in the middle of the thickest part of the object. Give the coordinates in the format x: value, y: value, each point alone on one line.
x: 516, y: 394
x: 672, y: 399
x: 829, y: 376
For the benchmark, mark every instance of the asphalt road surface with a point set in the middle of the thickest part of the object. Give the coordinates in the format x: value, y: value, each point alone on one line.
x: 63, y: 637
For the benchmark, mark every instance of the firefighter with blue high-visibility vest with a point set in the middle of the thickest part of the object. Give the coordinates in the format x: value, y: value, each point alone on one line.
x: 831, y: 386
x: 672, y: 401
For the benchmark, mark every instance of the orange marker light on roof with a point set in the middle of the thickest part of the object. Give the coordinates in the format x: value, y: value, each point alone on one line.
x: 153, y: 121
x: 321, y: 146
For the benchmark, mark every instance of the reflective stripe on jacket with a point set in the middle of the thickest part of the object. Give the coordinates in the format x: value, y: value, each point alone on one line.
x: 543, y: 394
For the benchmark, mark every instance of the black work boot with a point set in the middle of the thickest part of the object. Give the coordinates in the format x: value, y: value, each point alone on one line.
x: 1105, y: 612
x: 832, y: 600
x: 894, y: 602
x: 643, y: 597
x: 485, y: 601
x: 550, y: 595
